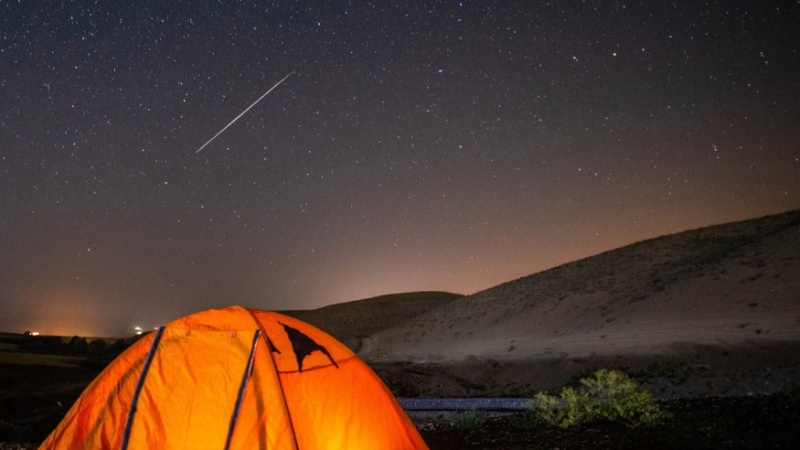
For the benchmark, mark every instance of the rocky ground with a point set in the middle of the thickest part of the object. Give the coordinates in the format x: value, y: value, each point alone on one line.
x: 17, y: 445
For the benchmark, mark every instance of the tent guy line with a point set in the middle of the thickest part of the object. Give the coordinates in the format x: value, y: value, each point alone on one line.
x: 243, y: 112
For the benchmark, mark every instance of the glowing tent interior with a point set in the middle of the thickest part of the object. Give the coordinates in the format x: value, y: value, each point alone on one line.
x: 236, y: 378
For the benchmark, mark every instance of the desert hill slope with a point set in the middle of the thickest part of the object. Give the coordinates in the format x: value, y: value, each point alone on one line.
x: 351, y: 321
x: 721, y: 286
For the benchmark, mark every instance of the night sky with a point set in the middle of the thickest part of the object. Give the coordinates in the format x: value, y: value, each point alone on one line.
x: 418, y: 145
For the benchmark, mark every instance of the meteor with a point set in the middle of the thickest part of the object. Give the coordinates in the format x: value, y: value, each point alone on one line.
x: 243, y: 112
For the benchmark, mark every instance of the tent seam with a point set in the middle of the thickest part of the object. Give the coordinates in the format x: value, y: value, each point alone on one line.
x: 242, y: 387
x: 265, y: 336
x: 139, y: 385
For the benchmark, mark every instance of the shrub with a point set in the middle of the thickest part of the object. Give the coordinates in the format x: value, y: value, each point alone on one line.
x: 548, y: 409
x: 471, y: 419
x: 608, y: 395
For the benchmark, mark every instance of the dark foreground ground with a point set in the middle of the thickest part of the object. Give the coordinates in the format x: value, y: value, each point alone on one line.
x: 769, y: 422
x: 33, y: 399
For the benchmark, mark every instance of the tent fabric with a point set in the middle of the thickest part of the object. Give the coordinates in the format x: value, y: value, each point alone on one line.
x: 236, y: 378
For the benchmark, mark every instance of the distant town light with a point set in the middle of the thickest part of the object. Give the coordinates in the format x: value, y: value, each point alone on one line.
x: 138, y: 329
x: 34, y: 333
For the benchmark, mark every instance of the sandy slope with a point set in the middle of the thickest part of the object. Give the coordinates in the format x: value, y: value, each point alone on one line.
x: 709, y: 311
x: 723, y: 285
x: 350, y: 322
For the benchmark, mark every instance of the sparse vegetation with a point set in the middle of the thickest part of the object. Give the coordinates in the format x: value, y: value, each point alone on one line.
x: 608, y: 395
x: 712, y: 422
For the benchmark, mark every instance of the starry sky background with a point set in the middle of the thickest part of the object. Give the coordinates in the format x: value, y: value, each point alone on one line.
x: 439, y: 145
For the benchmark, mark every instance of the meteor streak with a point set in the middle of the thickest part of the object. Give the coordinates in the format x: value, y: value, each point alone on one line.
x: 243, y: 112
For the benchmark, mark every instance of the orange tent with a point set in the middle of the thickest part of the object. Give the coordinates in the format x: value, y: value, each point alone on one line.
x: 236, y: 378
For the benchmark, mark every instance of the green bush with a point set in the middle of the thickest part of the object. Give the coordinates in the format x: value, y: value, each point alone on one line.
x: 548, y: 409
x: 471, y: 419
x: 608, y: 395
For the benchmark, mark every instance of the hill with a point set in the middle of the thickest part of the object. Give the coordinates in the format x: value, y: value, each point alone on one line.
x: 725, y: 298
x: 350, y: 322
x: 704, y: 312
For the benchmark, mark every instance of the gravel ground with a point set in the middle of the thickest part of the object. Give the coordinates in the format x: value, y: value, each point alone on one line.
x: 17, y: 446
